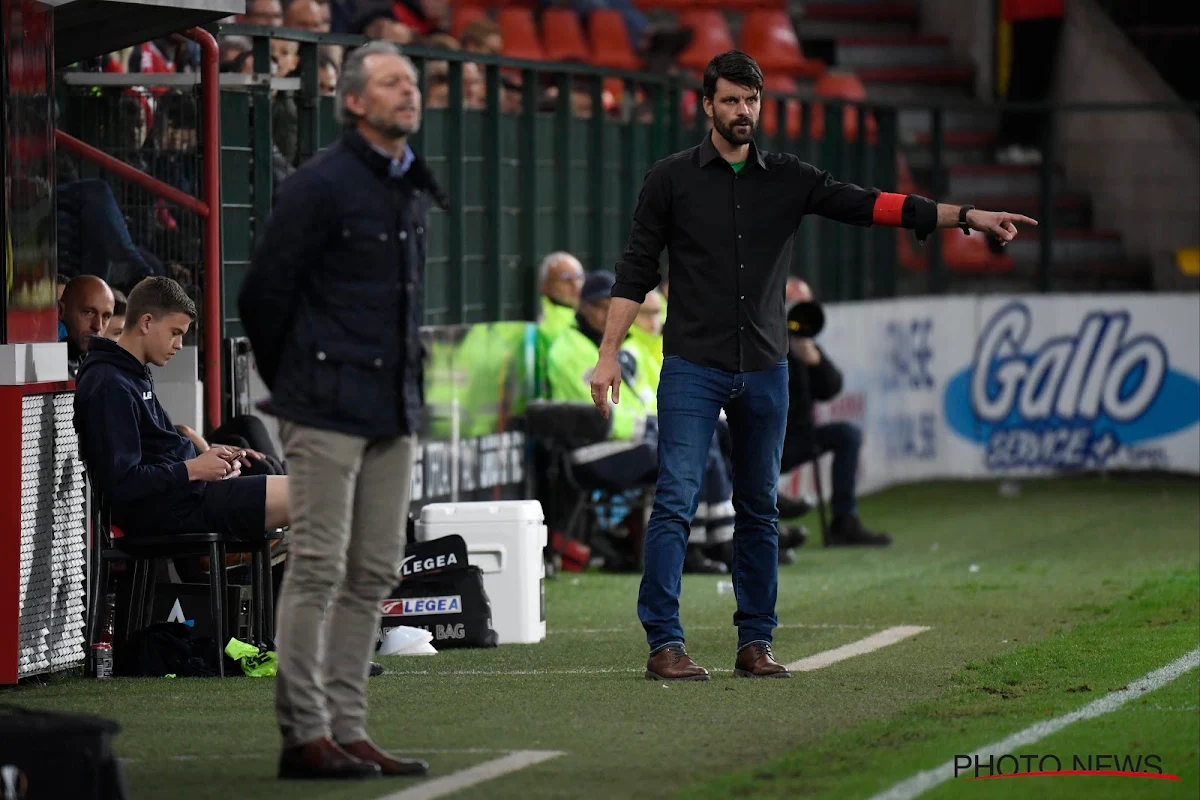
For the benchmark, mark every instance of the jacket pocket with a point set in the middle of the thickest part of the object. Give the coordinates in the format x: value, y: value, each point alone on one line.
x: 355, y: 383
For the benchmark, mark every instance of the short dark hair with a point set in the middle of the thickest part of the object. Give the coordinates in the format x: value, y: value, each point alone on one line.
x: 120, y: 303
x: 157, y: 296
x: 735, y: 67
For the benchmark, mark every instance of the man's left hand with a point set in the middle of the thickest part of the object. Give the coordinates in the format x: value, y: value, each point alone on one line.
x: 806, y: 351
x: 1000, y: 224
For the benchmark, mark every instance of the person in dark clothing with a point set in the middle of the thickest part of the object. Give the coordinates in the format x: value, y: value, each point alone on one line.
x: 813, y: 377
x: 84, y: 310
x: 726, y: 212
x: 92, y: 235
x: 153, y: 476
x: 332, y: 306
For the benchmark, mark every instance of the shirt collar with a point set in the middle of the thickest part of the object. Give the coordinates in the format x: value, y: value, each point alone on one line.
x: 398, y: 166
x: 708, y: 152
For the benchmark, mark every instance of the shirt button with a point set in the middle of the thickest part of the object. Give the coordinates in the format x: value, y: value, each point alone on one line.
x: 739, y: 236
x: 320, y: 355
x: 743, y: 297
x: 379, y: 362
x: 420, y: 229
x: 403, y: 235
x: 739, y: 205
x: 383, y: 237
x: 741, y: 266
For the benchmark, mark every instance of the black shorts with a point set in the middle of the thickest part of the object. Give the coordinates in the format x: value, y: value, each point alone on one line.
x: 236, y: 507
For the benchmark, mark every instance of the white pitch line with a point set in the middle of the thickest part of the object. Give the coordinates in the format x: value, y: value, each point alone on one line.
x: 440, y: 787
x: 785, y: 626
x: 873, y: 642
x: 924, y: 781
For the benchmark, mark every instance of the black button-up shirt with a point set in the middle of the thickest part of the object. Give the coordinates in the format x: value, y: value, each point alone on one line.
x: 729, y: 240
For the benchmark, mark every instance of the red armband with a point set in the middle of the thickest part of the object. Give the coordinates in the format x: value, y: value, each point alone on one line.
x: 888, y: 209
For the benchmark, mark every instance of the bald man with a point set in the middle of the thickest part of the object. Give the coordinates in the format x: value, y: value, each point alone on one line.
x: 84, y: 310
x: 812, y: 377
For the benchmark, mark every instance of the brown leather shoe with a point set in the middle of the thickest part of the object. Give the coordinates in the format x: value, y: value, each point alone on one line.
x: 365, y: 750
x: 323, y: 759
x: 672, y: 663
x: 755, y: 661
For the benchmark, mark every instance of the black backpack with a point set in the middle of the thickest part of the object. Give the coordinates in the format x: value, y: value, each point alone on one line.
x: 440, y: 592
x: 46, y: 755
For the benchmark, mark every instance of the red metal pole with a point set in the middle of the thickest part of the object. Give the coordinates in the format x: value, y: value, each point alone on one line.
x: 131, y: 174
x: 211, y: 97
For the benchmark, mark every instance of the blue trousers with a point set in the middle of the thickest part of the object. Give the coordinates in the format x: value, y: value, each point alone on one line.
x: 690, y: 399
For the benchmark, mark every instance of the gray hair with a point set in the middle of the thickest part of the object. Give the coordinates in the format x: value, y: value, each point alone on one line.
x: 353, y: 78
x: 550, y: 260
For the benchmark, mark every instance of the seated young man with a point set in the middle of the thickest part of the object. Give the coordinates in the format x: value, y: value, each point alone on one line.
x: 156, y: 480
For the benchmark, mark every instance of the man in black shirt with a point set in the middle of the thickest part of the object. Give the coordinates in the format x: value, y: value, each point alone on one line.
x: 727, y: 214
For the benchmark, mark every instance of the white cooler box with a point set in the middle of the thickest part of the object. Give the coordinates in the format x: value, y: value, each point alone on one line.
x: 505, y: 540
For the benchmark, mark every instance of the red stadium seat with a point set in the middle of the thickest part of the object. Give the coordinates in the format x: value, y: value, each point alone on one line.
x: 610, y: 41
x: 520, y: 33
x: 710, y: 37
x: 770, y: 39
x: 464, y: 16
x: 843, y: 86
x: 769, y: 121
x: 562, y: 35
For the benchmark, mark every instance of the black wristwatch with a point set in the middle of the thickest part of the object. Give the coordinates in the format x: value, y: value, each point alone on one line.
x: 962, y: 219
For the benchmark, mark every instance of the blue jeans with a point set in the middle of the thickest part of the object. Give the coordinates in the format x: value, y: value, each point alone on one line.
x: 690, y: 399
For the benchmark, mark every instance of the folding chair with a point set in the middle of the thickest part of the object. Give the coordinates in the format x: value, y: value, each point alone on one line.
x: 561, y: 428
x: 144, y: 553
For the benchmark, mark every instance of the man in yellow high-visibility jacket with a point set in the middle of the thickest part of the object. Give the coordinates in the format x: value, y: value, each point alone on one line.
x: 630, y: 455
x: 561, y: 277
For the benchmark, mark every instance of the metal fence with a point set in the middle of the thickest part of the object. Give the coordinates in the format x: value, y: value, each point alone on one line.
x: 542, y: 156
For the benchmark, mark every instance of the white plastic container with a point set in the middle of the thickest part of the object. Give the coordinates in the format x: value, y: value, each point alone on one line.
x: 505, y: 540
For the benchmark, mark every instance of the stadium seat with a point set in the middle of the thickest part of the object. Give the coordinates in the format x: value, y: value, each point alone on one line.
x: 710, y: 37
x: 520, y: 34
x: 842, y: 86
x: 498, y: 4
x: 770, y: 39
x: 464, y: 16
x: 610, y: 41
x: 972, y: 253
x: 562, y: 34
x: 793, y: 124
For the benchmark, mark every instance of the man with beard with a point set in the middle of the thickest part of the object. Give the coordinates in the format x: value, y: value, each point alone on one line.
x: 727, y: 213
x: 332, y: 306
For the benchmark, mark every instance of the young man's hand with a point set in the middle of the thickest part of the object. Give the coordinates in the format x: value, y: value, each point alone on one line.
x: 213, y: 464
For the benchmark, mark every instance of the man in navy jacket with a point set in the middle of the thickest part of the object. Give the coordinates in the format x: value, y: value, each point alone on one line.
x: 332, y: 306
x: 155, y: 479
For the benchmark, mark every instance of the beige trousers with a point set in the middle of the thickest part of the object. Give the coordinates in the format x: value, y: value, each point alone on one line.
x: 349, y: 500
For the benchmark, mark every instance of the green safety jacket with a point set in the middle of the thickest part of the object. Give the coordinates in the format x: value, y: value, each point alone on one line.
x: 648, y: 349
x: 554, y: 319
x: 571, y: 361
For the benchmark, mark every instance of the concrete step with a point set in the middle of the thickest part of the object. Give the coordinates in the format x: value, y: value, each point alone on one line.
x: 971, y: 183
x: 859, y: 52
x: 1071, y: 246
x: 920, y: 85
x: 836, y: 20
x: 914, y: 123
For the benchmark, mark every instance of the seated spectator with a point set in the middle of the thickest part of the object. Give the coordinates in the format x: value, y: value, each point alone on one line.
x: 375, y: 20
x: 814, y: 377
x: 305, y: 15
x: 84, y: 311
x: 154, y: 477
x: 327, y: 74
x: 482, y: 36
x: 561, y: 279
x: 117, y: 321
x: 263, y: 12
x: 630, y: 457
x: 645, y: 335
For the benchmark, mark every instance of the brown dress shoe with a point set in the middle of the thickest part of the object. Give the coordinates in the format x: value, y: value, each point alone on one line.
x: 755, y: 661
x: 365, y: 750
x: 323, y: 759
x: 672, y: 663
